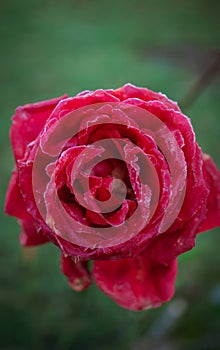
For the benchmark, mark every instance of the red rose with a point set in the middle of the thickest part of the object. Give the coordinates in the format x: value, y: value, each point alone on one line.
x: 114, y: 176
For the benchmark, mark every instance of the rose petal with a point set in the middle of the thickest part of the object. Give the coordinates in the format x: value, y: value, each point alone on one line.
x: 212, y: 175
x: 27, y: 123
x: 14, y: 203
x: 168, y: 246
x: 30, y: 236
x: 131, y: 91
x: 77, y: 273
x: 137, y: 283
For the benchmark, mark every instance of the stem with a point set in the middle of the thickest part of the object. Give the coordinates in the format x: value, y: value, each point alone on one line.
x: 203, y: 81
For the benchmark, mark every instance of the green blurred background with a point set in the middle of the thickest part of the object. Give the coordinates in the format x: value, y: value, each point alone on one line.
x: 53, y: 47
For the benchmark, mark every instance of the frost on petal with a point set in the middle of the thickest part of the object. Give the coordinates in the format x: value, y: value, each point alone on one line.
x: 77, y: 273
x: 137, y: 283
x: 131, y: 91
x: 30, y: 236
x: 28, y: 122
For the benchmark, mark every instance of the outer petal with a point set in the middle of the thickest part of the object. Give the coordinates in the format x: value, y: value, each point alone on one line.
x: 167, y: 246
x: 137, y: 283
x: 29, y: 235
x: 27, y: 123
x: 14, y: 203
x: 212, y: 176
x: 15, y: 206
x: 132, y: 91
x: 77, y: 273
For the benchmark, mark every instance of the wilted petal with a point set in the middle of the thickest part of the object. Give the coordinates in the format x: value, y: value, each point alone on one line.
x: 77, y: 273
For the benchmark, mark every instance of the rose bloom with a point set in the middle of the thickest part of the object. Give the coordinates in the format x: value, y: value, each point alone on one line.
x: 137, y: 273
